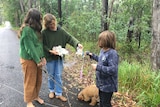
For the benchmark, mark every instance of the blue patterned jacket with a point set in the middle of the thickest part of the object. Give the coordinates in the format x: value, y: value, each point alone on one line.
x: 107, y: 70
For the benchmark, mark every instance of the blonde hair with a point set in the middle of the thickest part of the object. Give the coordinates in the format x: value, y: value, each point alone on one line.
x: 107, y: 39
x: 47, y: 19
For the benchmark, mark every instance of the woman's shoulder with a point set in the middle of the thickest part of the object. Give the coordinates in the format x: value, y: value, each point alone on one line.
x: 27, y: 31
x: 27, y: 28
x: 61, y: 29
x: 44, y: 29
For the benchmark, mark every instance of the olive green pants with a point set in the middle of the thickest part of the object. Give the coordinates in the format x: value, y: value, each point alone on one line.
x: 32, y: 79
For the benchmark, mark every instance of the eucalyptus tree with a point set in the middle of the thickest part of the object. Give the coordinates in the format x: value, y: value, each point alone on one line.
x: 24, y: 6
x: 83, y: 18
x: 155, y: 44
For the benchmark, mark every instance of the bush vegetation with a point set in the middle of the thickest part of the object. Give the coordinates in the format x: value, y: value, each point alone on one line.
x: 84, y: 22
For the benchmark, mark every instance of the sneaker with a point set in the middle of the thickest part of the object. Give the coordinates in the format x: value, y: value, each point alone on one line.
x: 62, y: 98
x: 51, y: 95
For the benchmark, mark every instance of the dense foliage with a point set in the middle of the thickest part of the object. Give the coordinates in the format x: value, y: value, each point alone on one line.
x: 82, y: 18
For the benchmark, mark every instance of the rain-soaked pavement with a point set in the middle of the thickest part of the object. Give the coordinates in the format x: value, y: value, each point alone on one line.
x: 11, y: 78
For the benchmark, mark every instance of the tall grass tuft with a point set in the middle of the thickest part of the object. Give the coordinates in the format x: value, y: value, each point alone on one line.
x: 141, y: 83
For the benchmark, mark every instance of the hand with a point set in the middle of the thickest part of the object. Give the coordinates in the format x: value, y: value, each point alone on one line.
x: 40, y: 64
x: 80, y: 46
x: 43, y: 60
x: 88, y: 53
x: 53, y: 52
x: 94, y: 66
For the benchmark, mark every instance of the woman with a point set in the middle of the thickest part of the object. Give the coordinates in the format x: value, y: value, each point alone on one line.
x: 55, y: 36
x: 31, y: 56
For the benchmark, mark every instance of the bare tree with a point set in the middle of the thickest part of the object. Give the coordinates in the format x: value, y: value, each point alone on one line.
x: 155, y: 44
x: 104, y: 24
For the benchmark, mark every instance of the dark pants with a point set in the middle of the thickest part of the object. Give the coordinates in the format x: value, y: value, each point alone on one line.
x: 105, y: 99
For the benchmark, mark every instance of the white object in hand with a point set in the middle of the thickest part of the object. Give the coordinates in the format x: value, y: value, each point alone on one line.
x: 79, y: 51
x: 61, y: 51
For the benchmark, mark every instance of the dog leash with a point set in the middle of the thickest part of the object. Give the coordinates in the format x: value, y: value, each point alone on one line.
x: 52, y: 78
x: 83, y: 63
x: 83, y: 54
x: 65, y: 89
x: 45, y: 103
x: 80, y: 53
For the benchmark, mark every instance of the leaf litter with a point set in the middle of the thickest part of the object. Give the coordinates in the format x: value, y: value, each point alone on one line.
x: 78, y: 71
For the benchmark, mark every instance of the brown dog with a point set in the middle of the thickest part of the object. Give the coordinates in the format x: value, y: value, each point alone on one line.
x: 89, y: 93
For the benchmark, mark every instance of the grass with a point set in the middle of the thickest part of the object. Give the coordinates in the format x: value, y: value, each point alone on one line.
x: 135, y: 75
x: 141, y: 82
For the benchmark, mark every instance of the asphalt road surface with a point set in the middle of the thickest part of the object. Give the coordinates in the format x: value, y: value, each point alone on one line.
x: 11, y: 78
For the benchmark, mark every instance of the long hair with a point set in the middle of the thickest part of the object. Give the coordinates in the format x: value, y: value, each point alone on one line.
x: 48, y: 19
x: 107, y: 39
x: 33, y: 19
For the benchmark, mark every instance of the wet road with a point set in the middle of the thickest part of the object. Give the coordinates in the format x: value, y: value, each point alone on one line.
x: 10, y: 71
x: 11, y: 78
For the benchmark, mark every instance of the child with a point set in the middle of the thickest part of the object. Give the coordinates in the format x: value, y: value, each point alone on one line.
x: 106, y: 68
x: 53, y: 36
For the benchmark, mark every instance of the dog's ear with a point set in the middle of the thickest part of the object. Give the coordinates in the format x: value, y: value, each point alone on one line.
x: 80, y: 96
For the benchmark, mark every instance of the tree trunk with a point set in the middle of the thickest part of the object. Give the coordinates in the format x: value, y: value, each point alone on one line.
x: 155, y: 44
x: 110, y: 12
x: 130, y: 31
x: 66, y: 7
x: 35, y: 4
x: 60, y: 12
x: 16, y: 18
x: 104, y: 24
x: 30, y: 4
x: 22, y: 6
